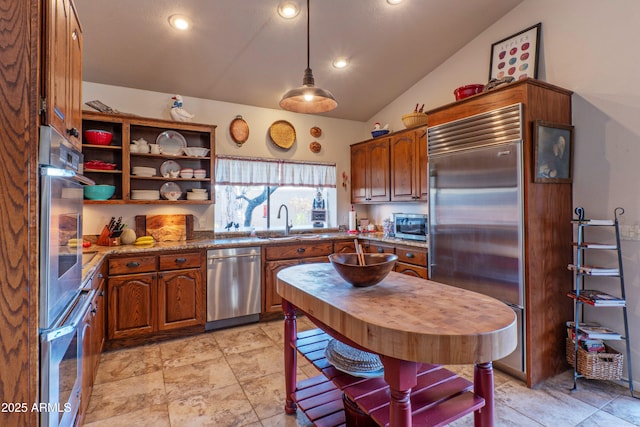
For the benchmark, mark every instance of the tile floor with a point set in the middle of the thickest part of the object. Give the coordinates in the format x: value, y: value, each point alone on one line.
x: 234, y: 378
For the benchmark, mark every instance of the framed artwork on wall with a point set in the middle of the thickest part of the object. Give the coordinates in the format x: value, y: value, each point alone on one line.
x: 552, y: 152
x: 517, y: 55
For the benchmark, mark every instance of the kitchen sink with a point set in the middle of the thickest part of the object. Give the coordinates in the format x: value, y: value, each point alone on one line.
x: 306, y: 236
x: 87, y: 257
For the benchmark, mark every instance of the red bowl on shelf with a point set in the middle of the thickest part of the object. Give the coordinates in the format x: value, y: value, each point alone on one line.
x: 97, y: 137
x: 465, y: 91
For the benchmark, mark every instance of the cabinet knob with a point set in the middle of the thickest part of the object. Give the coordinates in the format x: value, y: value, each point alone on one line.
x: 410, y: 255
x: 133, y: 264
x: 73, y: 132
x: 380, y: 250
x: 301, y: 250
x: 94, y: 311
x: 181, y: 260
x: 100, y: 276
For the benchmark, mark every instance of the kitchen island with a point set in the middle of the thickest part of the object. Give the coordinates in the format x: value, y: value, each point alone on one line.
x: 414, y: 325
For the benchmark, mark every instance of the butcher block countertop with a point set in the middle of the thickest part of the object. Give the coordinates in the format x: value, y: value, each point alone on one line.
x: 208, y: 240
x: 404, y: 317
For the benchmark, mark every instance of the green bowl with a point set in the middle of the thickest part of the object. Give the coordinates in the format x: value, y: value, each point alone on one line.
x: 99, y: 192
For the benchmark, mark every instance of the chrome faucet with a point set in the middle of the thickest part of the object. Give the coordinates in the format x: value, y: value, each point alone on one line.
x: 287, y: 226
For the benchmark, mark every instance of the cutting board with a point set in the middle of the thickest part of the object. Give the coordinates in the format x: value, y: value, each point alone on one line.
x: 165, y: 228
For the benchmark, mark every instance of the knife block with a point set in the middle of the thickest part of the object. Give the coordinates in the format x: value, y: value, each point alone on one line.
x: 106, y: 240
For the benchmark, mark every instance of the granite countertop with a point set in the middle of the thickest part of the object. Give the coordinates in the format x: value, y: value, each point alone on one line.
x: 208, y: 240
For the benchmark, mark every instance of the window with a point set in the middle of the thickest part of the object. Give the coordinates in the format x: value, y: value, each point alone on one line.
x: 249, y: 193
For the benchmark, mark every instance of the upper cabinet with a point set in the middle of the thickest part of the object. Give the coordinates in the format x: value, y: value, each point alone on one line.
x: 370, y: 171
x: 62, y: 76
x: 390, y: 168
x: 409, y: 166
x: 142, y: 176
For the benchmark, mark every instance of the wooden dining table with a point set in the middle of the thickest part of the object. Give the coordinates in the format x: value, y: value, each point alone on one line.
x: 411, y: 323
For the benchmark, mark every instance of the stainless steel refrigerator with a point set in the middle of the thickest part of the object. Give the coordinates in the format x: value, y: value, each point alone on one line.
x: 476, y: 211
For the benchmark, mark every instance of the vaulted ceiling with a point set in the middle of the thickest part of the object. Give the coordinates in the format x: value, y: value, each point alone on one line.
x: 242, y: 51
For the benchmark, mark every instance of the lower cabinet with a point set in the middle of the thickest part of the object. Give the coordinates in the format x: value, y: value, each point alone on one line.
x: 411, y: 260
x: 278, y: 257
x: 152, y: 294
x: 93, y: 336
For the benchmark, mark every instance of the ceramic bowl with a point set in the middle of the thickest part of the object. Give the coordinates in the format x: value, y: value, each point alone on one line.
x: 377, y: 133
x: 377, y: 267
x: 465, y: 91
x: 195, y: 151
x: 186, y: 173
x: 97, y: 137
x: 99, y: 192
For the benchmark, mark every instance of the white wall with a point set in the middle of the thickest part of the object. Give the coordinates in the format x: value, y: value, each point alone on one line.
x: 336, y: 137
x: 590, y: 47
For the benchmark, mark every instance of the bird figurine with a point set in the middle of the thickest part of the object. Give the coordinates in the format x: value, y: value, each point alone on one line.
x: 178, y: 113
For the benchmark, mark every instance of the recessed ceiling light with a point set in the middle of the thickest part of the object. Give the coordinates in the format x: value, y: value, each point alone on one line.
x: 179, y: 22
x: 394, y: 2
x: 288, y: 9
x: 341, y: 62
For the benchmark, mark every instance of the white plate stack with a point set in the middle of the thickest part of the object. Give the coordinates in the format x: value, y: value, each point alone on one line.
x: 145, y: 195
x: 143, y: 171
x: 197, y: 194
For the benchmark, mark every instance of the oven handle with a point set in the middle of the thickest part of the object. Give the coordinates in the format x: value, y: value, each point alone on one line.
x: 51, y: 171
x: 71, y: 324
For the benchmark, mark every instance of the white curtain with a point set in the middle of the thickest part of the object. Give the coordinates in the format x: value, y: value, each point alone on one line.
x: 254, y: 171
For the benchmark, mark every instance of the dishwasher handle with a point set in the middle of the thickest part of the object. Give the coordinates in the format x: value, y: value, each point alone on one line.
x: 216, y: 257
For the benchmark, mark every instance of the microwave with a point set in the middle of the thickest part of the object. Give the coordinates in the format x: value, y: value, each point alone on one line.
x: 411, y: 226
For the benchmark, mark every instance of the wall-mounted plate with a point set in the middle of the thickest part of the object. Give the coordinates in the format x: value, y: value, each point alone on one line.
x: 283, y: 134
x: 239, y: 130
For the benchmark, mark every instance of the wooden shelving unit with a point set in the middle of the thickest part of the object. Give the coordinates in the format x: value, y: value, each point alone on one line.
x: 125, y: 129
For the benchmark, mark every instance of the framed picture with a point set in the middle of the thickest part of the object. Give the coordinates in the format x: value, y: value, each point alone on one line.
x: 516, y: 56
x: 553, y: 152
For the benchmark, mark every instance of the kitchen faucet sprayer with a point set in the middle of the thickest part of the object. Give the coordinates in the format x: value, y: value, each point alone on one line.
x: 287, y: 226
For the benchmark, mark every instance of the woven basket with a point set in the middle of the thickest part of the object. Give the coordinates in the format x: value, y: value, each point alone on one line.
x: 596, y: 366
x: 352, y: 360
x: 414, y: 119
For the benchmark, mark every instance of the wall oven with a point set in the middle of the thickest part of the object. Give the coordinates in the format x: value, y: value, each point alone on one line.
x: 62, y: 303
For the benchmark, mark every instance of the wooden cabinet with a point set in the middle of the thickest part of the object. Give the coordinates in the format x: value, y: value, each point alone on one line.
x: 547, y: 214
x: 93, y: 334
x: 344, y: 247
x: 126, y: 129
x: 370, y: 171
x: 62, y: 75
x: 412, y: 261
x: 151, y: 294
x: 374, y: 247
x: 409, y: 165
x: 277, y: 257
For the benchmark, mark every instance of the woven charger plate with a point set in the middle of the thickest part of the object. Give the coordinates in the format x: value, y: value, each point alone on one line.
x: 239, y: 130
x: 353, y: 361
x: 282, y: 133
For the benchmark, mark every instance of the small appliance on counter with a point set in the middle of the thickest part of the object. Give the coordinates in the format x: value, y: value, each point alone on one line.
x: 411, y: 226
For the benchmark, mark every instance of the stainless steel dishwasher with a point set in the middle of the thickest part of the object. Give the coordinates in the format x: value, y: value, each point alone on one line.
x: 233, y: 287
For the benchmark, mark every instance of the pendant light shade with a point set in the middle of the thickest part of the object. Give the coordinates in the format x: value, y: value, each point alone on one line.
x: 308, y: 98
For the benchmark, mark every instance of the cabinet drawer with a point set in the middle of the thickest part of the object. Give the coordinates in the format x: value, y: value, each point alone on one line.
x: 180, y: 260
x: 414, y: 256
x: 374, y: 248
x: 141, y: 264
x: 412, y: 270
x: 300, y: 250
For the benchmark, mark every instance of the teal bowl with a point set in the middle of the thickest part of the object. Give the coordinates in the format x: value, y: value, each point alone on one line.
x: 98, y: 192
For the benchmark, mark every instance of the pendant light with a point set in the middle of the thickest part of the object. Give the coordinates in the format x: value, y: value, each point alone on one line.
x: 308, y: 98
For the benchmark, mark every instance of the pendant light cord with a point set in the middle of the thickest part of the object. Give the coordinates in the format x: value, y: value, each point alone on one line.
x: 308, y: 23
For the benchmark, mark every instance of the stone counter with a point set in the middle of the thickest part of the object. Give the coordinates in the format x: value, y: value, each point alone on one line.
x: 228, y: 240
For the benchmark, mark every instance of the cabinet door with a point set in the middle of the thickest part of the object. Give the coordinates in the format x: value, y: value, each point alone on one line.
x: 132, y: 300
x: 411, y: 270
x: 403, y: 167
x: 273, y: 301
x: 181, y: 299
x: 57, y: 54
x: 422, y: 180
x: 74, y: 90
x: 378, y: 174
x: 344, y: 247
x: 359, y: 192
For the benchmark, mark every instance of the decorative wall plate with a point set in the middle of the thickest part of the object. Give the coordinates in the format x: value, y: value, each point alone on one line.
x: 282, y: 133
x: 239, y: 130
x: 315, y: 132
x: 315, y: 147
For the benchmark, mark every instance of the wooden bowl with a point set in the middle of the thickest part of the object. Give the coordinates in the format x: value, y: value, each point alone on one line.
x: 377, y: 267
